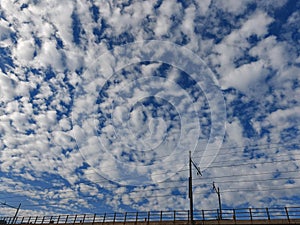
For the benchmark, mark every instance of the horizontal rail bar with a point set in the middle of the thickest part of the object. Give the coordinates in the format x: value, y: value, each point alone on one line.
x: 239, y: 214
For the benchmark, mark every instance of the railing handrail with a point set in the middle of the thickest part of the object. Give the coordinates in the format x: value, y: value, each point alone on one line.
x: 287, y: 213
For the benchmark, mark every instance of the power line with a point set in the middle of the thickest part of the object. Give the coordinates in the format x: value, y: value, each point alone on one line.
x: 183, y: 194
x: 289, y: 160
x: 178, y: 187
x: 201, y: 182
x: 258, y: 190
x: 210, y: 155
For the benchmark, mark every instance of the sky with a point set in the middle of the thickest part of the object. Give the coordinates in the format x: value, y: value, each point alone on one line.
x: 102, y: 101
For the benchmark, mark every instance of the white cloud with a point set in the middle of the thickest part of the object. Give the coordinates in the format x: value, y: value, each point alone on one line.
x: 204, y: 6
x: 274, y: 53
x: 257, y: 24
x: 232, y: 6
x: 235, y: 132
x: 164, y: 21
x: 246, y: 76
x: 5, y: 32
x: 24, y: 51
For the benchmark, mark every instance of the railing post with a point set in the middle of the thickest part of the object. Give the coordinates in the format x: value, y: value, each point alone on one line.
x: 174, y: 216
x: 22, y: 220
x: 268, y: 214
x: 136, y: 217
x: 103, y: 218
x: 14, y: 220
x: 36, y: 218
x: 43, y: 219
x: 203, y: 216
x: 148, y: 217
x: 58, y: 218
x: 29, y: 219
x: 250, y: 212
x: 161, y: 216
x: 114, y: 218
x: 66, y: 219
x: 94, y: 218
x: 75, y: 219
x: 234, y: 216
x: 125, y: 216
x: 83, y: 219
x: 287, y: 214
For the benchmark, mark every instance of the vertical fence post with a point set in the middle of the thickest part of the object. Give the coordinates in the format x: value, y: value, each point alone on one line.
x: 94, y: 218
x: 58, y: 218
x: 160, y: 216
x: 22, y: 220
x: 287, y: 214
x: 268, y: 214
x: 36, y: 218
x: 103, y: 217
x: 125, y: 216
x: 174, y: 216
x: 136, y: 217
x: 29, y: 219
x: 75, y: 219
x: 250, y: 212
x: 203, y: 216
x: 83, y: 219
x: 66, y: 219
x: 234, y: 216
x: 43, y: 219
x: 114, y: 218
x: 148, y: 217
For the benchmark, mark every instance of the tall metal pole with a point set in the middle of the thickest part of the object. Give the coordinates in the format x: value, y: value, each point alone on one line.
x: 217, y: 190
x: 220, y: 205
x: 15, y: 217
x: 191, y: 190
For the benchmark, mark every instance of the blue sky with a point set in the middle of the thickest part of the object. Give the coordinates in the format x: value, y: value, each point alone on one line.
x: 101, y: 102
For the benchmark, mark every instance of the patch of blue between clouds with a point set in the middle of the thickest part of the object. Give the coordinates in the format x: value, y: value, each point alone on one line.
x: 77, y: 28
x: 5, y: 59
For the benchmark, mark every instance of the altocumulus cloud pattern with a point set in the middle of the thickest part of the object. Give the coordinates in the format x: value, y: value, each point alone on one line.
x: 101, y: 102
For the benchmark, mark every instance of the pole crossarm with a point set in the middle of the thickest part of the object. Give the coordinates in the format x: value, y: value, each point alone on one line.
x: 5, y: 204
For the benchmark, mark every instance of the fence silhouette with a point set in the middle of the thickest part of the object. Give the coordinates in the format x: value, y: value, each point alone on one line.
x: 243, y: 214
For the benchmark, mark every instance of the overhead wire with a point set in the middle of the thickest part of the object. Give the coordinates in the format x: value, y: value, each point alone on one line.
x: 211, y: 155
x: 233, y: 175
x: 218, y: 166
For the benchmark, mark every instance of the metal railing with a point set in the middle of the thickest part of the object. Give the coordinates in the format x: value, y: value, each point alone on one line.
x: 250, y: 214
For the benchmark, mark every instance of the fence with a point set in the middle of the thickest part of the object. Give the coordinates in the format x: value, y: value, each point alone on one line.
x: 250, y: 214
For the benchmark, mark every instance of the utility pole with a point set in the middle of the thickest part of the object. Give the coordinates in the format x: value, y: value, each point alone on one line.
x: 191, y: 191
x: 217, y: 190
x: 14, y: 218
x: 191, y: 186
